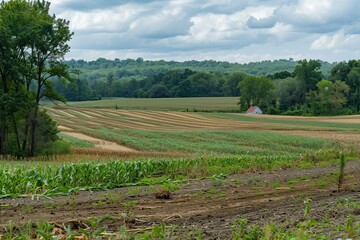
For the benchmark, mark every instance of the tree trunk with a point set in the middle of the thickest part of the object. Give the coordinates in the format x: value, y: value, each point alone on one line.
x: 16, y: 134
x: 25, y: 137
x: 2, y: 138
x: 36, y: 110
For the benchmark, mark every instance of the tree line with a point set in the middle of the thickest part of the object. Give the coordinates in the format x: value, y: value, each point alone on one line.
x: 32, y: 47
x: 304, y: 90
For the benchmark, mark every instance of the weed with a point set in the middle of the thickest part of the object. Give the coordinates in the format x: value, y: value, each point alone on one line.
x: 341, y: 171
x: 114, y: 197
x: 134, y: 191
x: 99, y: 203
x: 216, y: 182
x: 321, y: 184
x: 170, y: 186
x: 276, y: 185
x: 307, y: 207
x: 26, y: 209
x: 238, y: 181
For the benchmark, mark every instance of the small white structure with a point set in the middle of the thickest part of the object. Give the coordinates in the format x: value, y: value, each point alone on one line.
x: 254, y: 110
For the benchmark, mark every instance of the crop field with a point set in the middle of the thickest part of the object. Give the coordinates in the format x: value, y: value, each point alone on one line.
x: 166, y: 174
x: 212, y: 104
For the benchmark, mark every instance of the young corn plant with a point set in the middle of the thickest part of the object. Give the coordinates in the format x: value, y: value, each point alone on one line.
x: 341, y: 171
x: 307, y: 207
x: 350, y: 227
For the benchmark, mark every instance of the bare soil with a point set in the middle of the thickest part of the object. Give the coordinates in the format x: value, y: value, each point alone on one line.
x: 207, y: 205
x: 99, y: 143
x: 330, y: 135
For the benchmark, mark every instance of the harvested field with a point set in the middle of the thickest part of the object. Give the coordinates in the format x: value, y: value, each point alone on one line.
x: 99, y: 143
x: 143, y: 130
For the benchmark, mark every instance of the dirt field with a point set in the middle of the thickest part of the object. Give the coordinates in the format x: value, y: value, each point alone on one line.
x: 99, y: 143
x: 204, y: 205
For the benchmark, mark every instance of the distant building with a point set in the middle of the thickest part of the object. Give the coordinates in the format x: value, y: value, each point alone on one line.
x: 254, y: 110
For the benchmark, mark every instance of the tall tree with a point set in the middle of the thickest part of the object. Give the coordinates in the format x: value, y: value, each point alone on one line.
x: 309, y: 74
x: 329, y: 98
x: 232, y: 82
x: 255, y: 91
x: 32, y: 47
x: 48, y: 50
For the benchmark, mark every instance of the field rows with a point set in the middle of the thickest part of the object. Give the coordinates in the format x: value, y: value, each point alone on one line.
x: 183, y: 133
x: 144, y: 120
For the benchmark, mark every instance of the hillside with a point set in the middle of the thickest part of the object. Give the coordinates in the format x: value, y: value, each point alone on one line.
x: 140, y: 68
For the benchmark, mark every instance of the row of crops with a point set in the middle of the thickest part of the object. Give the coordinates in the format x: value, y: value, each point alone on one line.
x: 49, y: 179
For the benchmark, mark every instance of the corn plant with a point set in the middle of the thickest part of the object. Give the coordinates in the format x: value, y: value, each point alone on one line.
x: 341, y: 171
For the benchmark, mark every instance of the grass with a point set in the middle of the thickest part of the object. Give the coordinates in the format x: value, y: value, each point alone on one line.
x: 75, y: 142
x: 220, y: 142
x: 224, y: 104
x: 304, y: 123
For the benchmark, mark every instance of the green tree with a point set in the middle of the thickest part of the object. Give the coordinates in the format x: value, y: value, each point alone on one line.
x: 309, y: 74
x: 350, y: 74
x: 255, y: 91
x: 49, y: 46
x: 110, y: 80
x: 353, y: 80
x: 32, y: 53
x: 232, y: 82
x: 288, y: 92
x: 329, y: 98
x: 159, y: 91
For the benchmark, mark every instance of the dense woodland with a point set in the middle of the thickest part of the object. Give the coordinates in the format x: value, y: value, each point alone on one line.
x: 307, y: 87
x: 140, y: 78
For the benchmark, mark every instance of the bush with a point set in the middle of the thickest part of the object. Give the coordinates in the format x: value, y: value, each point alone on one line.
x: 56, y: 148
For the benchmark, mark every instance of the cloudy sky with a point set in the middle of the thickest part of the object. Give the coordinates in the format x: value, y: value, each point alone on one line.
x: 223, y: 30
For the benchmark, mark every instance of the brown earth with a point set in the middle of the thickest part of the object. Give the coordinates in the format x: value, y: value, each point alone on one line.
x: 99, y: 143
x: 207, y: 205
x: 349, y: 137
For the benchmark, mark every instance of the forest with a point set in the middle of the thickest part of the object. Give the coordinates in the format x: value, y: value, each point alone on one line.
x: 305, y: 87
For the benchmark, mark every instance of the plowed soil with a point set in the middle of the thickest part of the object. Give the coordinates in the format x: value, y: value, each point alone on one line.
x: 209, y: 206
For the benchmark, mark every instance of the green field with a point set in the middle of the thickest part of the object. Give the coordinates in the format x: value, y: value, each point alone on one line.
x: 165, y: 104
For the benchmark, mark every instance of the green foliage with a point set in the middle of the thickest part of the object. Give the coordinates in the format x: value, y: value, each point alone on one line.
x: 159, y: 91
x: 341, y: 171
x: 329, y: 98
x: 255, y: 91
x: 309, y: 73
x: 75, y: 142
x: 33, y: 43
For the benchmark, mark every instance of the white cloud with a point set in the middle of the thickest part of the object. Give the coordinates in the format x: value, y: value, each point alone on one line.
x: 231, y: 30
x: 336, y: 41
x: 117, y: 19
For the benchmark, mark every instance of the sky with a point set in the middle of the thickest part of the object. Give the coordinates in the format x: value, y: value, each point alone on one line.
x: 222, y: 30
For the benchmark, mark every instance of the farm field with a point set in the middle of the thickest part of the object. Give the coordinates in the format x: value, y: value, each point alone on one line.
x: 151, y: 174
x: 168, y: 104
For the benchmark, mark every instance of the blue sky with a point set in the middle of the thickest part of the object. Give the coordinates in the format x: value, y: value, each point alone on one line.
x: 224, y: 30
